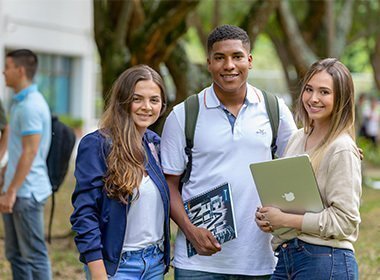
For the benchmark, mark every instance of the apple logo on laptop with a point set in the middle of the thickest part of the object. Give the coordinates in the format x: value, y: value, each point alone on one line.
x: 288, y: 196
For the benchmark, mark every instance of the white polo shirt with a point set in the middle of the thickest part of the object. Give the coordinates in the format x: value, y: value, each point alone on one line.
x: 221, y: 154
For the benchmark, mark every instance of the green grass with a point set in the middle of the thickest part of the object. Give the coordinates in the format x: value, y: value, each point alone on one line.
x: 64, y: 256
x: 368, y: 245
x: 62, y: 250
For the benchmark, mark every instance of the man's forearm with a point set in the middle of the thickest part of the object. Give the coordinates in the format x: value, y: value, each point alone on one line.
x: 8, y: 199
x: 201, y: 238
x: 177, y: 210
x: 178, y: 213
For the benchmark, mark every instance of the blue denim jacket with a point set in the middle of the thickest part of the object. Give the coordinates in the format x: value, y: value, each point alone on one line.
x: 100, y: 222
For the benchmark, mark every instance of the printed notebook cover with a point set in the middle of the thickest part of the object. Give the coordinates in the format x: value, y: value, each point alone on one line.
x: 212, y: 210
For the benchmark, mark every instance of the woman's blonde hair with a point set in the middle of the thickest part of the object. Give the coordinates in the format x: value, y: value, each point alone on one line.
x: 126, y: 158
x: 343, y: 113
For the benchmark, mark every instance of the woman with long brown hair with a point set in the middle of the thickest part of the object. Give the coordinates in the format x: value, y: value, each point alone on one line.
x: 320, y: 245
x: 121, y: 199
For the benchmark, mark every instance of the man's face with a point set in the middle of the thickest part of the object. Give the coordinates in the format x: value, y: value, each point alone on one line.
x: 12, y: 73
x: 229, y: 62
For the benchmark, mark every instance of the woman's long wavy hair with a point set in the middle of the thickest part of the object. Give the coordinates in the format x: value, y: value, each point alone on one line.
x: 343, y: 113
x: 126, y: 158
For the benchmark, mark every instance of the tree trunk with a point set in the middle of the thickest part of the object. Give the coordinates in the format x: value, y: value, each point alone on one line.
x: 343, y: 27
x: 137, y: 32
x: 299, y: 43
x: 258, y: 17
x: 300, y: 52
x: 375, y: 61
x: 179, y: 66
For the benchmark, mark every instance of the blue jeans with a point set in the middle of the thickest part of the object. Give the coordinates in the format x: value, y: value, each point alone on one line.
x: 147, y: 263
x: 25, y: 246
x: 301, y: 260
x: 183, y: 274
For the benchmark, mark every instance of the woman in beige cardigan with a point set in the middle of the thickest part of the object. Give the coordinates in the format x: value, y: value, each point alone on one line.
x: 320, y: 245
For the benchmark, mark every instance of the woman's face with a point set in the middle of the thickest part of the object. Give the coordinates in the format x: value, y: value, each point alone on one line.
x: 318, y: 98
x: 146, y: 105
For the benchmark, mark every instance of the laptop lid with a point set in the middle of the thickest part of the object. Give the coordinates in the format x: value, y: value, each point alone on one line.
x: 288, y: 183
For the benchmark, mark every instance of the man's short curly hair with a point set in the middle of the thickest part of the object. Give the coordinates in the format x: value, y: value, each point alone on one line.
x: 228, y: 32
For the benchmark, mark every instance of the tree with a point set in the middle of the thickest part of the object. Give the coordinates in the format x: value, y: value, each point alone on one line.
x: 137, y: 31
x: 146, y: 31
x: 375, y: 61
x: 250, y: 15
x: 151, y: 32
x: 304, y: 31
x: 365, y: 29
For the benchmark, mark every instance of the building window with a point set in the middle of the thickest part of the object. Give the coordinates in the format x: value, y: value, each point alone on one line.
x: 54, y: 81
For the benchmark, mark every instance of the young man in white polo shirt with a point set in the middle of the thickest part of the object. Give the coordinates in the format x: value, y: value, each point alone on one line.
x: 232, y: 131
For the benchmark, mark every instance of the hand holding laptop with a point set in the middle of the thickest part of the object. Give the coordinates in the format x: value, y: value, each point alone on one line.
x: 262, y: 221
x: 288, y: 184
x: 271, y: 219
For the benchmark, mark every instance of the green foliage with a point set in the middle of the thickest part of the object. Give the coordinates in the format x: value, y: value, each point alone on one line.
x: 371, y: 153
x: 71, y: 121
x: 231, y: 11
x: 300, y: 9
x: 356, y: 58
x: 99, y: 106
x: 194, y: 48
x: 366, y: 14
x: 264, y: 55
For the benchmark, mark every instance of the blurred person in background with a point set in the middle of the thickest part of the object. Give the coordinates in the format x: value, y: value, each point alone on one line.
x: 26, y: 184
x: 372, y: 120
x: 359, y: 115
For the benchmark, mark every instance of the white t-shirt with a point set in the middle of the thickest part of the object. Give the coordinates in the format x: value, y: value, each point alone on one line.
x: 145, y: 219
x: 222, y: 155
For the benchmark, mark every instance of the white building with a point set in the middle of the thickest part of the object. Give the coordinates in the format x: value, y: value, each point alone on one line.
x: 60, y: 32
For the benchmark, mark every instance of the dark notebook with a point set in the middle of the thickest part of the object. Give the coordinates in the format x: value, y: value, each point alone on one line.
x: 212, y: 210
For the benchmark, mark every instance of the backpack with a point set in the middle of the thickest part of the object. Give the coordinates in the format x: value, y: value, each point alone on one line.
x: 191, y: 115
x: 58, y: 160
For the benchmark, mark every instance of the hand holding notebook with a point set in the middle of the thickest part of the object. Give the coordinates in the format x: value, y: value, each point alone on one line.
x: 212, y: 210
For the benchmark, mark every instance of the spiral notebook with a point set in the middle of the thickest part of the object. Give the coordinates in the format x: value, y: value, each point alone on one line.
x: 214, y: 211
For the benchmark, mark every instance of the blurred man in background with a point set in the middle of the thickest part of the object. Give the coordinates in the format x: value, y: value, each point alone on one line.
x: 27, y: 185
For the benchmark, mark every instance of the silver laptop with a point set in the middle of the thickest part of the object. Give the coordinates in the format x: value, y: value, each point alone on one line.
x: 288, y: 183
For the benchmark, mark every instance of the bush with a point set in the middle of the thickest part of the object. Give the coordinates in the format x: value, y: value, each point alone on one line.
x: 71, y: 121
x: 371, y: 152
